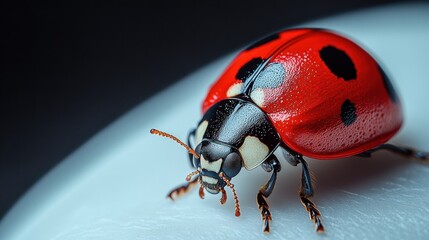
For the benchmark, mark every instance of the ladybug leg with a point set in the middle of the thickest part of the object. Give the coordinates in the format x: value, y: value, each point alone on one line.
x: 182, y: 190
x: 407, y: 152
x: 272, y: 164
x: 191, y: 135
x: 306, y: 192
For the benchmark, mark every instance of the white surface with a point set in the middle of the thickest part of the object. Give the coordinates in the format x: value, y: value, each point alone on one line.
x: 114, y: 186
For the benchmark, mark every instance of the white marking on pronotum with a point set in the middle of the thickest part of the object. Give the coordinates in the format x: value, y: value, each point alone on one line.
x: 234, y: 90
x: 211, y: 166
x: 253, y: 152
x: 258, y: 96
x: 200, y: 132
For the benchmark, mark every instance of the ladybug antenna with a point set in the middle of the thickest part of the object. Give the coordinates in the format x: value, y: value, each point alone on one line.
x: 163, y: 134
x: 230, y: 185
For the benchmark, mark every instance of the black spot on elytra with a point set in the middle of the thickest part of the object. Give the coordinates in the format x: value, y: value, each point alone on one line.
x: 348, y: 112
x: 263, y: 41
x: 388, y: 85
x: 248, y: 69
x: 270, y: 77
x: 338, y: 62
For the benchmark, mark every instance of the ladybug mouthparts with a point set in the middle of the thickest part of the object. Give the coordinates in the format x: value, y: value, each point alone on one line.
x: 211, y: 181
x: 211, y: 188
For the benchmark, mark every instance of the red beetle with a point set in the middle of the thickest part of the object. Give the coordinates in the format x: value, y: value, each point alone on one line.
x: 310, y: 92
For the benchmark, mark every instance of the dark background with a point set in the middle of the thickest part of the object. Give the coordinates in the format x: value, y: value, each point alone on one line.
x: 68, y: 70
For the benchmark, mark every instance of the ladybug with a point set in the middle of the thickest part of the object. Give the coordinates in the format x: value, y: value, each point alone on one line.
x: 309, y: 92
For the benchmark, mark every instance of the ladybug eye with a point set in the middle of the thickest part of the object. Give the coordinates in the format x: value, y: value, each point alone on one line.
x: 232, y: 164
x: 196, y: 161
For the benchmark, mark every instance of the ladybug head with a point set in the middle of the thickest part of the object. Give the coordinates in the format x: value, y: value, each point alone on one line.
x: 216, y: 164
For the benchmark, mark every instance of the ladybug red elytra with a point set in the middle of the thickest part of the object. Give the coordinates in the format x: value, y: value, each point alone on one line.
x: 310, y: 92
